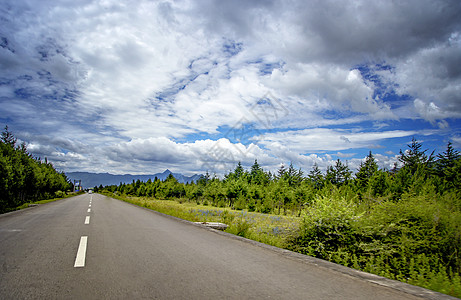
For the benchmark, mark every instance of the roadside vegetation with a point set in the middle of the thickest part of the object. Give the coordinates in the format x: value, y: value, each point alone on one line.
x: 25, y: 179
x: 264, y: 228
x: 404, y: 223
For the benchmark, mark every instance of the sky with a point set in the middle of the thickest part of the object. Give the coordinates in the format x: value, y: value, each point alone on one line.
x: 193, y: 86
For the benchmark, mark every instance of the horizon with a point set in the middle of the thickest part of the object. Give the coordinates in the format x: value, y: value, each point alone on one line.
x: 194, y: 87
x: 143, y: 174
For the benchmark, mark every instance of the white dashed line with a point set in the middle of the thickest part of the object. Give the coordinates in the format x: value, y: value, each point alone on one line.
x: 89, y: 209
x: 81, y: 253
x: 87, y: 220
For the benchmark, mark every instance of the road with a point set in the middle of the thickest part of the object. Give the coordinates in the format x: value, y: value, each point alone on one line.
x: 94, y: 247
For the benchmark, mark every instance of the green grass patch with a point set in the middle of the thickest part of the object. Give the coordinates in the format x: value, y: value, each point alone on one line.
x: 265, y: 228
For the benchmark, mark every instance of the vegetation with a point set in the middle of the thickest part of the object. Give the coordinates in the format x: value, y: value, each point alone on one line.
x: 403, y: 223
x: 24, y: 178
x: 265, y: 228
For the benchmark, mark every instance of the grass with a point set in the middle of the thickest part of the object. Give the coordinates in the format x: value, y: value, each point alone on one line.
x: 265, y: 228
x: 26, y: 205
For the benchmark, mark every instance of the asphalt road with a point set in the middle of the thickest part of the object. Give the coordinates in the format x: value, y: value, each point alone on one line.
x: 133, y: 253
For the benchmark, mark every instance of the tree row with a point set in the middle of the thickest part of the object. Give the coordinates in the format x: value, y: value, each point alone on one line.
x: 290, y: 190
x: 24, y: 178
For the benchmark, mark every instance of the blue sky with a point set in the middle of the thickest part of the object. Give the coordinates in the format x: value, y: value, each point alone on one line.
x: 142, y: 86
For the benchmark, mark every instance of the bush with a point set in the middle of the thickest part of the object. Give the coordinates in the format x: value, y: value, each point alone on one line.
x: 59, y: 194
x: 327, y: 227
x: 416, y: 240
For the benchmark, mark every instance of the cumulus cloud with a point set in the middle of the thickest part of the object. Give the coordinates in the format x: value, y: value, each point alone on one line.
x: 147, y: 84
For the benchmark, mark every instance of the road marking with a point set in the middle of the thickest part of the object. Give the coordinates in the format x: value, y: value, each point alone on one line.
x: 10, y: 230
x: 87, y: 220
x: 81, y: 253
x: 89, y: 209
x: 89, y: 205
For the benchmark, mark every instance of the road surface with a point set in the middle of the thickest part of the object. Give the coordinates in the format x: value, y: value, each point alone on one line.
x: 94, y: 247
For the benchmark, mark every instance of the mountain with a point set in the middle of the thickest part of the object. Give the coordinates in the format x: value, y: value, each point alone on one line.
x: 90, y: 180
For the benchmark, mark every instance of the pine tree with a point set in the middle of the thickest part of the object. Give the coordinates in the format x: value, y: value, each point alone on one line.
x: 447, y: 166
x: 366, y: 170
x: 339, y: 174
x: 239, y: 171
x: 447, y: 159
x: 256, y: 173
x: 281, y: 171
x: 316, y: 176
x: 415, y: 158
x: 8, y: 137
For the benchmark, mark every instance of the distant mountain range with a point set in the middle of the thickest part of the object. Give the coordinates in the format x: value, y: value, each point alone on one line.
x: 90, y: 180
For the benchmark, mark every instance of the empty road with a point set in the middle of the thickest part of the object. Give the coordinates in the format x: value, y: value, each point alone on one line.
x: 94, y: 247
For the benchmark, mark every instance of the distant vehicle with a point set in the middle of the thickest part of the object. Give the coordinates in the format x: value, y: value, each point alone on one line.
x: 90, y: 191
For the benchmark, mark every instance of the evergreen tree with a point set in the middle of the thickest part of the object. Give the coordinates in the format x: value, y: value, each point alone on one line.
x: 24, y: 178
x: 281, y: 171
x: 447, y: 159
x: 366, y: 170
x: 415, y: 158
x: 256, y: 174
x: 447, y: 167
x: 338, y: 174
x: 292, y: 176
x: 316, y: 176
x: 8, y: 138
x: 239, y: 171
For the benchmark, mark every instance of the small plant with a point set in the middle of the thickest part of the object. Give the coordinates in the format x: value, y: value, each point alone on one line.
x: 240, y: 227
x: 227, y: 217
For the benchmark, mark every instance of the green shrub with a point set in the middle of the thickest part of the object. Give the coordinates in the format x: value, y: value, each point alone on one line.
x: 415, y: 240
x: 59, y: 194
x: 327, y: 227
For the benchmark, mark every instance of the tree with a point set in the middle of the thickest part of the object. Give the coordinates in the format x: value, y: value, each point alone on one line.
x: 338, y: 174
x: 281, y: 171
x: 8, y: 137
x: 366, y: 170
x: 415, y: 158
x: 447, y: 159
x: 447, y: 167
x: 239, y: 171
x: 256, y: 174
x: 292, y: 176
x: 379, y: 183
x: 24, y: 178
x: 316, y: 176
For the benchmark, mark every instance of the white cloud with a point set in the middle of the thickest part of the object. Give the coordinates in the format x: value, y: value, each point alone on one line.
x: 131, y: 80
x: 433, y: 76
x: 322, y: 139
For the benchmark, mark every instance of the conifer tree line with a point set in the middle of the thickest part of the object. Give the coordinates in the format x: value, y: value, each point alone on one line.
x: 289, y: 190
x: 24, y: 178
